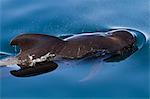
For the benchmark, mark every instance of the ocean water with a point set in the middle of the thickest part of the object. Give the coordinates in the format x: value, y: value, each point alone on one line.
x: 126, y: 79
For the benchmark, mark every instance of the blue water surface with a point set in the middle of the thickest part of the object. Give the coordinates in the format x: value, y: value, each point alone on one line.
x: 125, y: 79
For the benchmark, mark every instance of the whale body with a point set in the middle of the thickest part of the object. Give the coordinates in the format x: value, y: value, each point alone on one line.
x: 39, y: 51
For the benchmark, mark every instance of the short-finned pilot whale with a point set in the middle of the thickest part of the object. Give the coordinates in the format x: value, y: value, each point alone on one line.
x: 39, y: 51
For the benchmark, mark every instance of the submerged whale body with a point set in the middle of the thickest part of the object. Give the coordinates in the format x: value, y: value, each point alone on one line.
x: 39, y: 52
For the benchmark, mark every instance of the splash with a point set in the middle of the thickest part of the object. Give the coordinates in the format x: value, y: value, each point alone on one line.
x: 140, y: 37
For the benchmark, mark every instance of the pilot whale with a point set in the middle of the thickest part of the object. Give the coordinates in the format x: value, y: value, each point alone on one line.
x: 39, y: 52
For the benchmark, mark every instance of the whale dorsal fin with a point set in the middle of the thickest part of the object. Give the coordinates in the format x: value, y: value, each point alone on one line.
x: 28, y: 41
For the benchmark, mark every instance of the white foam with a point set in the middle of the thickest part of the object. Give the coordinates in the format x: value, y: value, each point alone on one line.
x: 9, y: 61
x: 41, y: 59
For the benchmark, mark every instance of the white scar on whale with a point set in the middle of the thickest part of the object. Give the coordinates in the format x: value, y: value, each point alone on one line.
x: 48, y: 56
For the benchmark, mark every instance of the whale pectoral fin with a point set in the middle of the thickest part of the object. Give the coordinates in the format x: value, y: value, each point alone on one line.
x: 38, y: 69
x: 94, y: 71
x: 28, y: 41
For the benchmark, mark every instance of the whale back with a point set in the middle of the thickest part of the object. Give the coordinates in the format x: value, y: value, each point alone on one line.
x: 87, y: 44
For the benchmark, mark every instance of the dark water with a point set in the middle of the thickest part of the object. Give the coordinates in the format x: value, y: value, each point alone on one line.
x: 126, y: 79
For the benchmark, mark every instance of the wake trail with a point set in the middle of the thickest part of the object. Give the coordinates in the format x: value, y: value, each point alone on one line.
x: 12, y: 60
